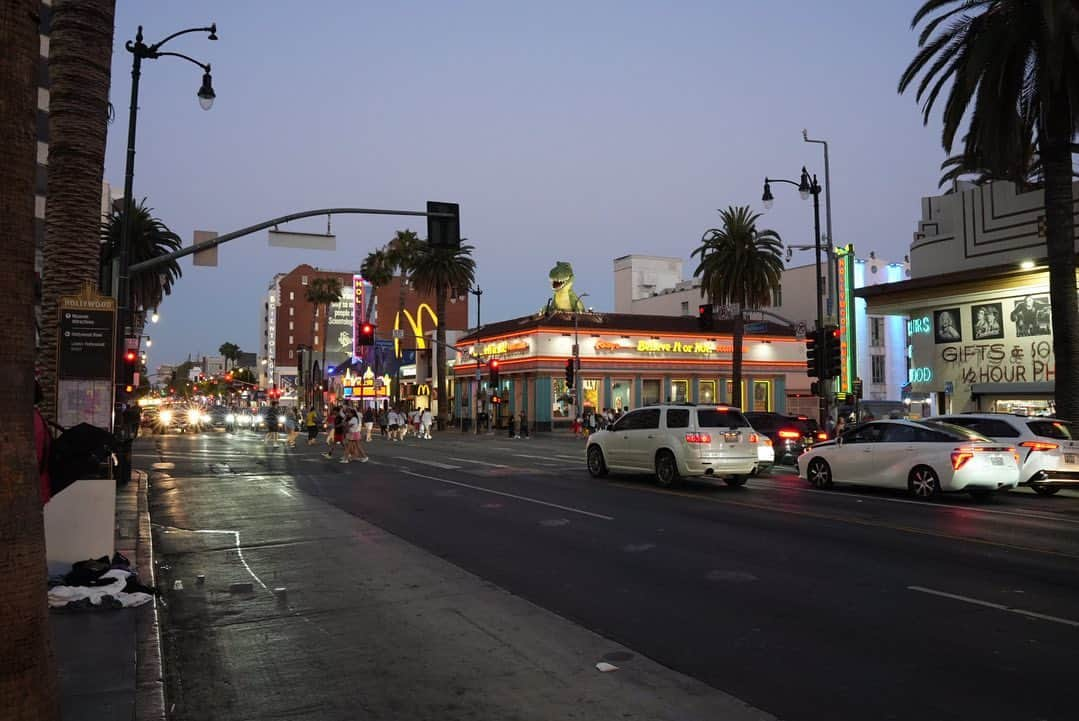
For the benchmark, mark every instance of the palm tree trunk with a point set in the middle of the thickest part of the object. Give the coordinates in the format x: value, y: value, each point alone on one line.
x: 1060, y: 244
x: 80, y: 57
x: 440, y: 355
x: 736, y: 358
x: 27, y: 671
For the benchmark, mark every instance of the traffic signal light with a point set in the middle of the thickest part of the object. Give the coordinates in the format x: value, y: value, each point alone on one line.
x: 366, y: 336
x: 705, y: 317
x: 813, y: 358
x: 131, y: 366
x: 570, y: 369
x: 492, y: 370
x: 228, y: 377
x: 831, y: 366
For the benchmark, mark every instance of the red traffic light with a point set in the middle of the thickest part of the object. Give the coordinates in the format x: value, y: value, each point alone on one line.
x: 130, y: 356
x: 367, y: 329
x: 228, y: 377
x: 493, y: 364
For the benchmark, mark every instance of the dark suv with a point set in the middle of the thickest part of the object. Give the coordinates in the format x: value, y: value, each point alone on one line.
x: 791, y: 435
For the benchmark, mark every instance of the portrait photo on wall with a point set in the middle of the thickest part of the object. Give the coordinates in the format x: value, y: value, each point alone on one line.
x: 987, y: 320
x: 948, y: 326
x: 1031, y: 316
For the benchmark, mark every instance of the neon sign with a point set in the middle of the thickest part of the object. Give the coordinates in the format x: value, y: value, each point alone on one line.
x: 503, y: 347
x: 846, y: 319
x: 919, y: 326
x: 416, y: 322
x: 920, y: 375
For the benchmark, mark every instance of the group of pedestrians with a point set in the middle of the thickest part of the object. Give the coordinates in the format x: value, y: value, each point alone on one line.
x: 343, y: 429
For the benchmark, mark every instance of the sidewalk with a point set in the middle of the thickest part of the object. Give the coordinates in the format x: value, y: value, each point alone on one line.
x: 109, y: 661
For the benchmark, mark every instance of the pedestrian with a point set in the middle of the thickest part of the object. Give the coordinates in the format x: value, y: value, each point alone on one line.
x: 336, y: 431
x: 368, y: 423
x: 395, y: 424
x: 383, y: 422
x: 354, y: 451
x: 292, y: 425
x: 577, y: 423
x: 311, y: 424
x: 522, y: 426
x: 272, y: 422
x: 425, y: 423
x: 840, y: 426
x: 512, y: 426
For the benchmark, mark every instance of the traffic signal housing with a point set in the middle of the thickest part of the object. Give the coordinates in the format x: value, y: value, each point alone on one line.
x: 131, y: 366
x: 366, y: 336
x: 492, y: 372
x: 570, y: 371
x: 813, y: 353
x: 705, y: 317
x: 831, y: 355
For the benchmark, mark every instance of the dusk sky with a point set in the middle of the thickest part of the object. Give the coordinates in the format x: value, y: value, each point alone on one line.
x: 577, y: 131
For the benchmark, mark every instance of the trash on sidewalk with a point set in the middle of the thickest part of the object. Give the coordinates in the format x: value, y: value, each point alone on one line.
x: 99, y: 583
x: 606, y: 667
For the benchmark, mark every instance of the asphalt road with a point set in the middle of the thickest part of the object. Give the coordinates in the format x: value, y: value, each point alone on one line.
x: 806, y: 604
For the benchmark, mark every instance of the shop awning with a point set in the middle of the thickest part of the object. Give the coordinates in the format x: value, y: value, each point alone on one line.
x: 1013, y: 389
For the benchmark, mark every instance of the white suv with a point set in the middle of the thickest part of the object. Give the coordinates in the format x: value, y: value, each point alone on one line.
x: 679, y: 440
x: 1048, y: 452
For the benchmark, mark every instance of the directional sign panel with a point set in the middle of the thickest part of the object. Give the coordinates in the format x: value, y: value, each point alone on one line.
x: 85, y: 348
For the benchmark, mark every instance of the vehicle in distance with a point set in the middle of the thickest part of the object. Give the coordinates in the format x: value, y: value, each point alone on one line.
x: 1048, y: 451
x: 675, y: 441
x: 791, y: 435
x: 925, y: 457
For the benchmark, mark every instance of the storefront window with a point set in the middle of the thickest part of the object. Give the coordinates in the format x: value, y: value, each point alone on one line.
x: 679, y: 391
x: 621, y: 395
x: 730, y: 392
x: 650, y: 391
x: 560, y: 398
x: 762, y: 395
x: 590, y: 387
x: 707, y: 391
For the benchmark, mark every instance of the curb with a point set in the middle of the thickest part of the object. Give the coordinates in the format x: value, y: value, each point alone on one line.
x: 149, y: 678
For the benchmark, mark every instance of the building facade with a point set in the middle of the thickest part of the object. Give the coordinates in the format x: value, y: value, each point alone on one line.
x: 626, y: 361
x: 654, y: 285
x: 977, y: 304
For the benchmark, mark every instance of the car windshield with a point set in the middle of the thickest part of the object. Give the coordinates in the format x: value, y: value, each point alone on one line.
x: 959, y: 432
x: 720, y: 418
x: 1058, y: 430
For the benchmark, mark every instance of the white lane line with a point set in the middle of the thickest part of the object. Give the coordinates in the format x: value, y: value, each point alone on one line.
x: 480, y: 463
x: 239, y: 552
x: 997, y: 606
x: 525, y: 455
x: 512, y: 495
x: 436, y: 464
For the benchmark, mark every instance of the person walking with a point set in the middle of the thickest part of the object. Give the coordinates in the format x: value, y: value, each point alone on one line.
x: 384, y: 422
x: 353, y: 450
x: 335, y: 431
x: 368, y: 423
x: 311, y: 423
x: 511, y: 425
x: 425, y: 423
x: 272, y: 423
x: 522, y: 426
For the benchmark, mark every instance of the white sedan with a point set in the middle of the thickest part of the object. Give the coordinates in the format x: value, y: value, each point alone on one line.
x: 925, y: 457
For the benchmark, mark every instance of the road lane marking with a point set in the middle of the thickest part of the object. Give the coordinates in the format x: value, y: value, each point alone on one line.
x: 997, y: 606
x: 239, y: 552
x: 841, y: 519
x: 511, y: 495
x: 525, y: 455
x: 436, y: 464
x: 480, y: 463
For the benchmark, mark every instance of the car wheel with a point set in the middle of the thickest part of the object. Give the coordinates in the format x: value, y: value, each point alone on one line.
x: 596, y: 465
x: 666, y: 469
x: 735, y: 481
x: 923, y: 483
x: 819, y: 473
x: 1045, y: 490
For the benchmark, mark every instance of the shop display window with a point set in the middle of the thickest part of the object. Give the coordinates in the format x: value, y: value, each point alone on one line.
x: 561, y: 405
x: 679, y: 391
x: 651, y: 391
x: 762, y: 395
x: 590, y: 388
x: 707, y: 391
x: 621, y: 395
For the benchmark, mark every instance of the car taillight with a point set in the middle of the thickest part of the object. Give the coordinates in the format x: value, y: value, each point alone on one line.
x: 960, y: 458
x: 753, y: 438
x: 822, y: 436
x: 698, y: 438
x: 767, y: 441
x: 789, y: 434
x: 1040, y: 445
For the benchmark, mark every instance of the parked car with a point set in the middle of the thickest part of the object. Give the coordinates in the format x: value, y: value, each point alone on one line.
x: 791, y: 435
x: 925, y: 457
x: 1048, y: 451
x: 676, y: 441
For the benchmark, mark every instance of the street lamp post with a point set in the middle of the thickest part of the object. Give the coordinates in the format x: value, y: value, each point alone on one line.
x: 577, y: 388
x: 833, y: 271
x: 121, y: 261
x: 808, y: 186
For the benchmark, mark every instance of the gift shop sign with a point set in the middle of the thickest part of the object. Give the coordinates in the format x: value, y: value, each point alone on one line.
x: 1020, y: 362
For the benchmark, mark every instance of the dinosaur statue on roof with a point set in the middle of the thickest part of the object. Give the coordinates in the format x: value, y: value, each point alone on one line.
x: 562, y: 297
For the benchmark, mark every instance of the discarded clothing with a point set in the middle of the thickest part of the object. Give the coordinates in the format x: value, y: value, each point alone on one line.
x: 104, y: 596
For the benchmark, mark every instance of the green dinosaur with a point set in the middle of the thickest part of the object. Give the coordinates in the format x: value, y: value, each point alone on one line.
x: 563, y: 298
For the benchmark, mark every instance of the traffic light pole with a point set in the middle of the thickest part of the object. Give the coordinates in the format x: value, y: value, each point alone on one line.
x: 814, y: 190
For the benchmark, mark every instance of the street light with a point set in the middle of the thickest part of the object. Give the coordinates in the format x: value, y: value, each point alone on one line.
x: 807, y: 185
x: 154, y: 317
x: 121, y: 287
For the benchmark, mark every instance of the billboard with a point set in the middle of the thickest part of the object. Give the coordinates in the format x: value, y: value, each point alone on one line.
x: 339, y: 328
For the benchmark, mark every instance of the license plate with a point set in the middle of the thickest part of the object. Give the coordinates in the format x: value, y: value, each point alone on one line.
x: 730, y: 437
x: 996, y: 461
x: 1071, y: 458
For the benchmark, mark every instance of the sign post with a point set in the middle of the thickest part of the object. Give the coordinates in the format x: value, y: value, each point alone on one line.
x: 85, y: 359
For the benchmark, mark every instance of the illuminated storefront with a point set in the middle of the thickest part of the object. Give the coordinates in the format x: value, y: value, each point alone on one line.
x: 626, y: 361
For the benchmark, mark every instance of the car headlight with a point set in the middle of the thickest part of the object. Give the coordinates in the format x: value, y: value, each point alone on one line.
x: 281, y: 420
x: 166, y: 417
x: 193, y: 416
x: 259, y: 420
x: 229, y: 418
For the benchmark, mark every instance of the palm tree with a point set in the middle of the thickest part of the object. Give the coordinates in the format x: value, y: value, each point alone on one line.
x: 1007, y: 60
x: 322, y: 293
x: 28, y: 674
x: 150, y: 238
x: 80, y: 57
x: 401, y: 254
x: 442, y: 270
x: 741, y: 266
x: 230, y: 351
